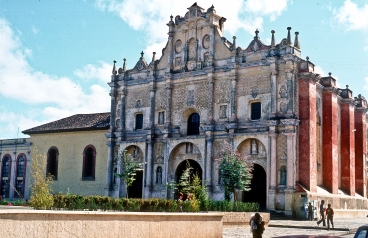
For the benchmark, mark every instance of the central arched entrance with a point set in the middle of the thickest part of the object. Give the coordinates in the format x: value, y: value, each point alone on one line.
x: 135, y: 191
x: 258, y: 191
x: 196, y: 170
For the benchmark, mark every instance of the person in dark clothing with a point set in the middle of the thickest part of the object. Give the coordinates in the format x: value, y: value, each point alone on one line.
x: 322, y: 212
x: 329, y: 215
x: 257, y: 226
x: 310, y: 212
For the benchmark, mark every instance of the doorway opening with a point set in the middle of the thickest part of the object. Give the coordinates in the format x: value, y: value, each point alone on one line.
x: 258, y: 187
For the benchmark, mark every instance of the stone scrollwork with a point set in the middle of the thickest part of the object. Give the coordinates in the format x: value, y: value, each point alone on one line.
x: 178, y: 46
x: 206, y: 41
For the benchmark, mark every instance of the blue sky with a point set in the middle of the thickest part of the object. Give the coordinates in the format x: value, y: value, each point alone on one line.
x: 56, y: 56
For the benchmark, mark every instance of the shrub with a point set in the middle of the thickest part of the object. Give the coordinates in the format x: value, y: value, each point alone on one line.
x: 41, y: 197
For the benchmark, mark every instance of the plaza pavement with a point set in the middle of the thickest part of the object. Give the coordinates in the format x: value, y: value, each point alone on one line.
x: 344, y: 227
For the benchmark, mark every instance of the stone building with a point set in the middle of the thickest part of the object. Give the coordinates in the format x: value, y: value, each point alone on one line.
x: 305, y: 137
x: 14, y: 170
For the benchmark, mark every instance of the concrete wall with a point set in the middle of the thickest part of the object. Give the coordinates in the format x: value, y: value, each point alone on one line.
x: 70, y: 161
x: 17, y: 223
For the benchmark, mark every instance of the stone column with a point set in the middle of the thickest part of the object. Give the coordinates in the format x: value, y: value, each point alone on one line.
x: 26, y: 179
x: 273, y: 94
x: 148, y: 172
x: 168, y: 107
x: 13, y: 175
x: 112, y: 109
x: 330, y: 140
x: 109, y: 167
x: 308, y: 132
x: 122, y: 114
x: 233, y: 100
x: 273, y: 177
x: 210, y: 98
x: 360, y: 149
x: 152, y: 108
x: 347, y: 146
x: 290, y: 160
x: 273, y: 149
x: 208, y: 174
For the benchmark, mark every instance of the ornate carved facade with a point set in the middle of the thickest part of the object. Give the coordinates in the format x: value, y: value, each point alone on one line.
x: 265, y: 100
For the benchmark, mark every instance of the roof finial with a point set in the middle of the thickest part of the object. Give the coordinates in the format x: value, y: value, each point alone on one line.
x: 256, y: 37
x: 329, y: 74
x: 273, y: 41
x: 297, y: 43
x: 347, y: 86
x: 171, y: 17
x: 307, y: 58
x: 289, y: 36
x: 142, y: 55
x: 154, y: 57
x: 124, y: 65
x: 234, y: 42
x: 114, y: 72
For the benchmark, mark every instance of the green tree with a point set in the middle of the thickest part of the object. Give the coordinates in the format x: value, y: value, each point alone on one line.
x: 129, y: 167
x: 41, y: 196
x: 235, y: 172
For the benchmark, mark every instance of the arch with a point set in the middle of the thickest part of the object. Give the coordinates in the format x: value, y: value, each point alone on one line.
x: 136, y: 189
x: 52, y: 162
x: 5, y: 175
x: 20, y: 175
x: 196, y: 170
x: 89, y: 163
x: 253, y: 148
x: 258, y: 187
x: 180, y: 154
x: 193, y: 124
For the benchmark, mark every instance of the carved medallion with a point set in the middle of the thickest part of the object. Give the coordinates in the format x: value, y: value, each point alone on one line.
x: 178, y: 46
x: 206, y: 42
x: 254, y: 92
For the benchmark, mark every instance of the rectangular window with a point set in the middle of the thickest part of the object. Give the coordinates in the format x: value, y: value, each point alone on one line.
x: 139, y: 121
x: 256, y: 111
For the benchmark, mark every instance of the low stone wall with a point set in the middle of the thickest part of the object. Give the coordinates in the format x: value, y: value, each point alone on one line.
x: 241, y: 219
x: 32, y: 223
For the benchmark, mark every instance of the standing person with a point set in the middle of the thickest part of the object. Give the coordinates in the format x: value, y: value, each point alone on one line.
x: 329, y: 215
x: 257, y: 225
x: 322, y: 212
x: 310, y: 211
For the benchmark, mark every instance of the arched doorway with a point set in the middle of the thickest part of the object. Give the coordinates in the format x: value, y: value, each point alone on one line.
x: 258, y: 187
x: 196, y: 170
x: 136, y: 191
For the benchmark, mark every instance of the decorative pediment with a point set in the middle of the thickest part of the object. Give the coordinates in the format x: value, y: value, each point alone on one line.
x: 141, y: 64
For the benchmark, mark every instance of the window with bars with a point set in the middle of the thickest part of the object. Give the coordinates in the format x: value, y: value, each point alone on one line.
x: 138, y: 121
x: 52, y: 162
x: 89, y: 162
x: 193, y: 124
x: 256, y: 111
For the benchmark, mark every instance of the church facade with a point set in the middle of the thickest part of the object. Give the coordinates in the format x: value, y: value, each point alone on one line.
x: 301, y: 133
x: 305, y: 137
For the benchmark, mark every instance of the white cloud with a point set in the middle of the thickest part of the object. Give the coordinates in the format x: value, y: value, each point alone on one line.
x: 35, y: 30
x: 351, y: 16
x: 151, y: 15
x: 59, y: 96
x: 101, y: 72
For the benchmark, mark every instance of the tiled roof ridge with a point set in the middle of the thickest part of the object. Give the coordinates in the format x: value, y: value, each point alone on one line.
x: 82, y: 121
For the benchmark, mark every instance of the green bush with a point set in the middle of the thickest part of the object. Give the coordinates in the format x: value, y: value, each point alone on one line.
x: 94, y: 203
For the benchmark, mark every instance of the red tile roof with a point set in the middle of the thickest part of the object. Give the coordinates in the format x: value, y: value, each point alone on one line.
x: 78, y: 122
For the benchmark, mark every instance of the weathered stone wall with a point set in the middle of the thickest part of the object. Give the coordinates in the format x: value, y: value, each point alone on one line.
x: 109, y: 224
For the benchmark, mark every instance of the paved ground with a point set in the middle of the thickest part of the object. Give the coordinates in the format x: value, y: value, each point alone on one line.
x: 344, y: 227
